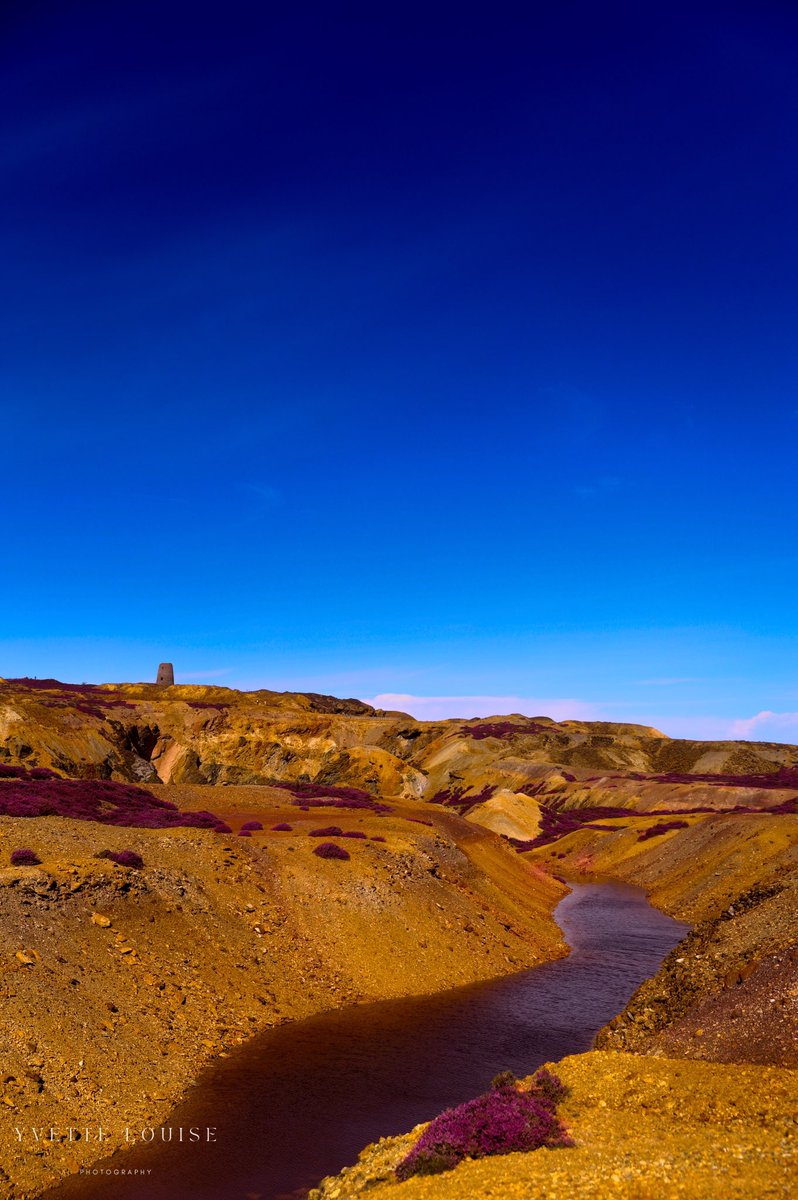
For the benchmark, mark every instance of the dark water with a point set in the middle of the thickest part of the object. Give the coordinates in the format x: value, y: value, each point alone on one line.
x: 299, y: 1102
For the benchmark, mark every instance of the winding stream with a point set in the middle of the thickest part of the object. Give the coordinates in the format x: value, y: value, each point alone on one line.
x: 300, y: 1101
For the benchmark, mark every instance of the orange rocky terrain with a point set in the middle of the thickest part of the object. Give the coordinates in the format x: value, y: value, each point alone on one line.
x: 450, y: 837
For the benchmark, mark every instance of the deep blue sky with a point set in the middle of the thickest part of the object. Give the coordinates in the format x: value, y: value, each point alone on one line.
x: 385, y: 351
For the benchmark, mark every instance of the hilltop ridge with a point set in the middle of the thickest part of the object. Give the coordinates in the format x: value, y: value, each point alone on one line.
x: 215, y: 735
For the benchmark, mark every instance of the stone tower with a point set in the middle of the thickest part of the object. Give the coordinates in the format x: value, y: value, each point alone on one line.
x: 166, y: 675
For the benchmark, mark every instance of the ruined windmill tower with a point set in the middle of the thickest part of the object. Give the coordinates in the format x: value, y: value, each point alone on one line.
x: 166, y: 675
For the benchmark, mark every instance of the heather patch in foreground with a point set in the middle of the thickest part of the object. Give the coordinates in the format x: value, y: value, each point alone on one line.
x: 98, y: 800
x: 501, y: 1121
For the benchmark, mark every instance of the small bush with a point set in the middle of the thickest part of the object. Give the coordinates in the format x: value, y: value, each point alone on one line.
x: 25, y: 858
x: 124, y: 858
x: 330, y: 850
x: 503, y: 1079
x: 244, y: 833
x: 353, y: 833
x: 377, y: 837
x: 283, y: 828
x: 327, y: 831
x: 500, y: 1121
x: 252, y: 825
x: 548, y: 1087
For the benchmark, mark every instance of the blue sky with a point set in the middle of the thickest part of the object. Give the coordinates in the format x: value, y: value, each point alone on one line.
x: 392, y: 355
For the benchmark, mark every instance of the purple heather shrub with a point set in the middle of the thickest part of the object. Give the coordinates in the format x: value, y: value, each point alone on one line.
x: 505, y: 729
x: 377, y: 837
x: 330, y: 850
x: 7, y: 771
x: 252, y: 825
x: 25, y: 858
x: 99, y: 800
x: 324, y: 795
x: 456, y: 797
x: 663, y: 827
x: 353, y: 833
x: 548, y: 1087
x: 124, y: 858
x: 244, y: 833
x: 327, y: 831
x: 283, y: 828
x: 503, y: 1079
x: 501, y: 1121
x: 87, y: 691
x: 785, y: 777
x: 10, y: 772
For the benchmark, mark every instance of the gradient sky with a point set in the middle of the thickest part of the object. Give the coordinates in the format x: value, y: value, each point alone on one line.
x: 448, y: 359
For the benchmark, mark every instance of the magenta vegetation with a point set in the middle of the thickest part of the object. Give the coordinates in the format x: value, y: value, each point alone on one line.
x: 500, y: 1121
x: 505, y: 730
x: 785, y: 777
x: 124, y: 858
x: 7, y: 771
x: 97, y: 800
x: 330, y: 850
x: 25, y: 858
x: 327, y: 831
x: 252, y: 825
x: 282, y: 828
x: 85, y: 697
x: 663, y: 827
x: 327, y: 795
x: 458, y: 799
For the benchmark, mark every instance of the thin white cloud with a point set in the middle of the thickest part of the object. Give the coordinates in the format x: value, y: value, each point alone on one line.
x: 766, y: 726
x: 438, y: 708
